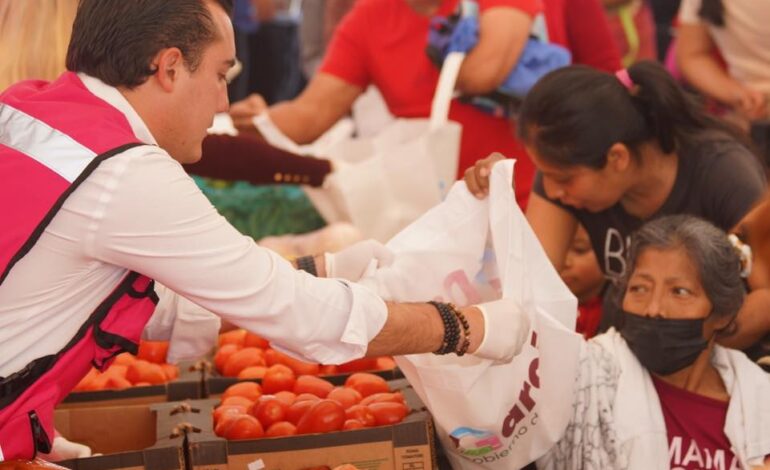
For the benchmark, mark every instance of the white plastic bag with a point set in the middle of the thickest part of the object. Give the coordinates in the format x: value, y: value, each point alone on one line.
x: 386, y: 181
x: 488, y: 415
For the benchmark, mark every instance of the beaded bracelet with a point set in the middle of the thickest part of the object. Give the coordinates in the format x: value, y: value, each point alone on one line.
x: 307, y: 263
x: 466, y: 330
x: 451, y: 328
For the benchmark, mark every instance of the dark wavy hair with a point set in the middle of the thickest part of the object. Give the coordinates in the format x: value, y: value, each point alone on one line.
x: 116, y: 40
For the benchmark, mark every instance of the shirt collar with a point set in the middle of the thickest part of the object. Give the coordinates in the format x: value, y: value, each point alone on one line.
x: 112, y: 96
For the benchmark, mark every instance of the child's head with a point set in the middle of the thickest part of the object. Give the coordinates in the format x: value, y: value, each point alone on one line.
x: 581, y: 271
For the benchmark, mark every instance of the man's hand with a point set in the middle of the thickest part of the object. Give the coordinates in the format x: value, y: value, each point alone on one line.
x: 353, y: 262
x: 243, y: 112
x: 506, y: 329
x: 477, y: 176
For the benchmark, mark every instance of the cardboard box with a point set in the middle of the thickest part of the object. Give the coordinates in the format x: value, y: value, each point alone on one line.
x: 405, y: 446
x: 129, y: 437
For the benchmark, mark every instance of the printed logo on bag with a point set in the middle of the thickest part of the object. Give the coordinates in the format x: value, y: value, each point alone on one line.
x: 474, y: 442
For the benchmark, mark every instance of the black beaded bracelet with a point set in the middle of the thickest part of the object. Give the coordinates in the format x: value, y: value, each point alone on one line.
x: 307, y: 263
x: 451, y: 328
x: 466, y: 331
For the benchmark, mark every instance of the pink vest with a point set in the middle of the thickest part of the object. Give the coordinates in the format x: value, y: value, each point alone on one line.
x: 52, y: 136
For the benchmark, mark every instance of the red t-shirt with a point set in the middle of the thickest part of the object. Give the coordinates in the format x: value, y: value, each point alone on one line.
x: 695, y: 426
x: 582, y: 27
x: 589, y: 316
x: 383, y: 42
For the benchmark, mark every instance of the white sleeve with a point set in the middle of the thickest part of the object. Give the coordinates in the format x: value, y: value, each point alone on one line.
x: 191, y: 329
x: 688, y: 12
x: 159, y: 223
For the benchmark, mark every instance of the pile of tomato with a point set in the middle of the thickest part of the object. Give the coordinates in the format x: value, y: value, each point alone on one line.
x: 286, y: 404
x: 148, y: 367
x: 246, y: 355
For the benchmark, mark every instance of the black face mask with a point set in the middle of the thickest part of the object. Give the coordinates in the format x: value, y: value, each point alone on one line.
x: 662, y: 345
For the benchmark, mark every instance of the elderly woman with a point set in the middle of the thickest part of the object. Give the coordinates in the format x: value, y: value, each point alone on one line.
x: 658, y: 392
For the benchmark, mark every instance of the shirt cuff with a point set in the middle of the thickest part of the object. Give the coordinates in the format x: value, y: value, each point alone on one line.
x: 368, y: 314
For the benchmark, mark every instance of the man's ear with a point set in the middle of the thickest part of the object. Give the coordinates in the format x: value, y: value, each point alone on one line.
x: 168, y: 64
x: 619, y: 157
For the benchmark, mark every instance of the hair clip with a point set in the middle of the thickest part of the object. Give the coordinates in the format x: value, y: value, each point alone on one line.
x: 744, y: 253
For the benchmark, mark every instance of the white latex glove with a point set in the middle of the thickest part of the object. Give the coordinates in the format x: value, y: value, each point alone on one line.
x: 357, y: 260
x: 63, y: 449
x: 506, y: 329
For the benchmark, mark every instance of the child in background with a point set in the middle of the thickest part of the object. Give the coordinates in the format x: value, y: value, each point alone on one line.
x: 585, y: 279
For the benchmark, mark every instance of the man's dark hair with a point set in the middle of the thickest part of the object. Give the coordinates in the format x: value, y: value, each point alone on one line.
x: 116, y: 40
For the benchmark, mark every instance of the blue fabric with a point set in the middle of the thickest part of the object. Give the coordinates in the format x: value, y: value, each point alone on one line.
x: 537, y: 59
x: 243, y: 17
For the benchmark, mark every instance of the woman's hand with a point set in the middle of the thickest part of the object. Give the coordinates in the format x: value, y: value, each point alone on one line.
x: 477, y: 176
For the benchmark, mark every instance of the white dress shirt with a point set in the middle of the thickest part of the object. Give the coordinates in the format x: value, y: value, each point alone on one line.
x: 140, y: 211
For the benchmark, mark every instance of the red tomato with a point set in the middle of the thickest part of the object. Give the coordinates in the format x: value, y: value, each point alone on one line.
x: 352, y: 424
x: 385, y: 363
x: 171, y: 371
x: 224, y: 410
x: 269, y: 411
x: 278, y: 378
x: 286, y: 397
x: 243, y: 427
x: 365, y: 363
x: 328, y: 370
x: 297, y: 410
x: 237, y: 400
x: 346, y: 397
x: 117, y: 383
x: 124, y: 359
x: 388, y: 413
x: 282, y: 428
x: 299, y: 367
x: 153, y: 351
x: 143, y: 371
x: 253, y: 372
x: 361, y: 413
x: 236, y: 337
x: 250, y: 390
x: 324, y: 416
x: 224, y: 422
x: 396, y: 397
x: 367, y: 384
x: 255, y: 341
x: 306, y: 396
x: 87, y: 382
x: 311, y: 384
x: 223, y: 354
x: 242, y: 359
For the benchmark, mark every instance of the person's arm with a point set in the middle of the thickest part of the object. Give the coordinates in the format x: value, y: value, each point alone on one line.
x: 554, y: 226
x: 158, y: 223
x: 325, y: 101
x: 695, y: 57
x: 250, y: 159
x: 503, y: 33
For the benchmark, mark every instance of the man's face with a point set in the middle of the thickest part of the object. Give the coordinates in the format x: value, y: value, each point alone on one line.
x: 203, y: 93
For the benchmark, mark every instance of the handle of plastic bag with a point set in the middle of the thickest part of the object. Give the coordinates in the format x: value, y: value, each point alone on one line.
x: 439, y: 111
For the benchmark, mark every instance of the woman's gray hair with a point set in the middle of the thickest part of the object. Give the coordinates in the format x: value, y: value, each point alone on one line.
x: 716, y: 260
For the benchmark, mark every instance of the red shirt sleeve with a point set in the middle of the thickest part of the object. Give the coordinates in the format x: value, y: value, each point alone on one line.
x: 589, y: 36
x: 347, y: 55
x: 530, y: 7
